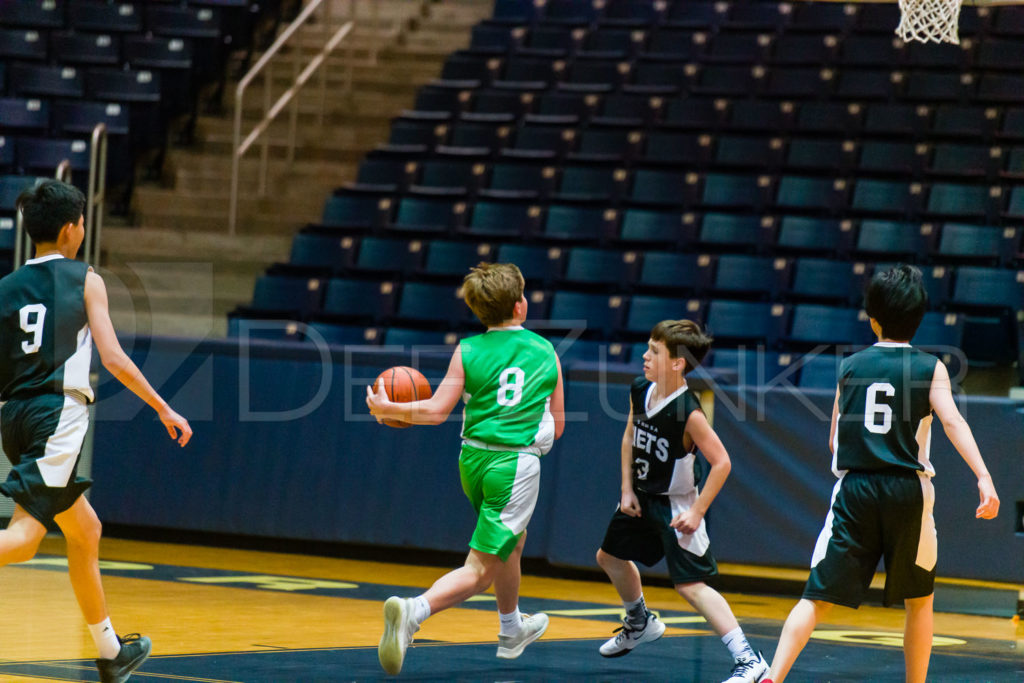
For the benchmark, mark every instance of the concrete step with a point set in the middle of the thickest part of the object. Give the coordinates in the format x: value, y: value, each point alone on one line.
x: 133, y: 323
x: 151, y: 244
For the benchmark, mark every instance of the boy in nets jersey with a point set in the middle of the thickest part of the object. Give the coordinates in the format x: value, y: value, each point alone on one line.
x: 882, y: 504
x: 51, y: 310
x: 511, y: 382
x: 661, y: 511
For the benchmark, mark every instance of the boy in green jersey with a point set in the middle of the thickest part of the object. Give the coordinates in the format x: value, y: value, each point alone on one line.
x: 51, y: 311
x: 511, y: 382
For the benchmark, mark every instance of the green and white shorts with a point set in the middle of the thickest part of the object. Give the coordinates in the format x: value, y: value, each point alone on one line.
x: 503, y: 488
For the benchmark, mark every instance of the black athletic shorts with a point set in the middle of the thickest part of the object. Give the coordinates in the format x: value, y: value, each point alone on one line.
x: 875, y: 515
x: 649, y: 538
x: 42, y: 437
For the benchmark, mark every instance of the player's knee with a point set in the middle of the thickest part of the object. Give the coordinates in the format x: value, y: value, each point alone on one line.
x: 606, y: 561
x: 690, y: 591
x: 86, y: 536
x: 26, y: 548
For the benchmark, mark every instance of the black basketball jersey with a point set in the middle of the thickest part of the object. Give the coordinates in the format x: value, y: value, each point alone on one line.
x: 884, y: 409
x: 661, y: 461
x: 45, y: 342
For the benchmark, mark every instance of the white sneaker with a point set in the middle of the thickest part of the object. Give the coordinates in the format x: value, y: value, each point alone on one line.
x: 399, y: 628
x: 510, y: 647
x: 627, y: 637
x: 748, y: 670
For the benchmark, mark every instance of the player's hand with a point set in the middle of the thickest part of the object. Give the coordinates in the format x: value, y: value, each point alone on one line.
x: 629, y: 504
x: 377, y: 399
x: 989, y: 507
x: 687, y: 522
x: 175, y: 423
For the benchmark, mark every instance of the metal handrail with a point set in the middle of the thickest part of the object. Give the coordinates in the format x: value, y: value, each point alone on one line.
x: 271, y: 111
x: 95, y: 200
x: 96, y: 195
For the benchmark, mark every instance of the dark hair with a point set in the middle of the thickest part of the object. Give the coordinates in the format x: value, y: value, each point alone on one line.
x: 48, y: 207
x: 896, y: 298
x: 683, y: 339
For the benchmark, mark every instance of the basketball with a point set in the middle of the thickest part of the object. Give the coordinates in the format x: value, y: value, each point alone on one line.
x: 403, y: 384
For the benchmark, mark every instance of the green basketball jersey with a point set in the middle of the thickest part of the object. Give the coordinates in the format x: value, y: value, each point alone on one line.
x: 510, y: 376
x: 45, y: 343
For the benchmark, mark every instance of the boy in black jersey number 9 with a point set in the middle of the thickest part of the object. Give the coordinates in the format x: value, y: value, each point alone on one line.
x: 661, y: 512
x: 882, y: 503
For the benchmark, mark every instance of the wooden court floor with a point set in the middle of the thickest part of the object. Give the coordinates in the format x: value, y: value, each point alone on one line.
x: 218, y: 615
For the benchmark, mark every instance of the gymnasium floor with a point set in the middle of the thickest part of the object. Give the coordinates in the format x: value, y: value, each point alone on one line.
x: 219, y: 615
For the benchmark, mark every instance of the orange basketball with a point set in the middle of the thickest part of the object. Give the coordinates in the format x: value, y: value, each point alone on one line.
x: 403, y: 384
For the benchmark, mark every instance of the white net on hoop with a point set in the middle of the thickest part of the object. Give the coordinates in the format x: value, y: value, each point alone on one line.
x: 929, y: 21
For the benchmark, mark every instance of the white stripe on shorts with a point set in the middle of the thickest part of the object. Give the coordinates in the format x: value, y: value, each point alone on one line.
x: 64, y: 445
x: 698, y: 542
x: 517, y: 512
x: 826, y: 531
x: 928, y: 543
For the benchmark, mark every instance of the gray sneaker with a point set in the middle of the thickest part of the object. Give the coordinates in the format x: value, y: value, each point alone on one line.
x: 627, y: 637
x: 510, y: 647
x: 399, y: 628
x: 134, y: 650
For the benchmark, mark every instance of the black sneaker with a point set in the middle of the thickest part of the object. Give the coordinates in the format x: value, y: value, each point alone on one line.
x: 134, y: 650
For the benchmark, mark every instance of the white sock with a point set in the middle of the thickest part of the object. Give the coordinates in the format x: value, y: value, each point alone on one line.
x: 420, y: 609
x: 738, y: 646
x: 636, y: 611
x: 510, y: 623
x: 106, y: 639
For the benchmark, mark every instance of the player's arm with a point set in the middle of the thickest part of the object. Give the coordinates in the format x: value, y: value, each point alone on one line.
x: 117, y: 362
x: 557, y: 405
x: 628, y: 502
x: 711, y: 446
x: 959, y: 433
x: 835, y: 424
x: 430, y: 411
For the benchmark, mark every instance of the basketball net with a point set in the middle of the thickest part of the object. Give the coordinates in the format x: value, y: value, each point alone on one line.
x: 929, y: 21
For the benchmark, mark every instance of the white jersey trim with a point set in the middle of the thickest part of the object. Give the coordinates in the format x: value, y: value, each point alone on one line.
x: 651, y: 411
x: 43, y: 259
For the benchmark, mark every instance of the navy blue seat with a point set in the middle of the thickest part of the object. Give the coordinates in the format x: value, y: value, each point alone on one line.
x: 961, y: 241
x: 823, y: 17
x: 40, y: 14
x: 356, y: 211
x: 579, y: 223
x: 343, y: 335
x: 514, y: 11
x: 696, y: 14
x: 263, y: 325
x: 936, y: 87
x: 541, y: 142
x: 795, y: 49
x: 383, y: 175
x: 530, y: 73
x: 865, y: 84
x: 670, y: 148
x: 753, y: 366
x: 501, y: 103
x: 664, y: 188
x: 650, y: 226
x: 728, y: 81
x: 469, y: 70
x: 661, y: 78
x: 760, y: 116
x: 588, y: 265
x: 548, y: 41
x: 799, y: 83
x: 435, y: 215
x: 735, y: 231
x: 988, y: 287
x: 43, y: 155
x: 46, y: 81
x: 10, y: 187
x: 428, y: 302
x: 940, y: 329
x: 571, y: 12
x: 484, y: 137
x: 539, y: 264
x: 504, y: 219
x: 736, y: 48
x: 998, y: 88
x: 816, y: 324
x: 104, y: 17
x: 520, y: 181
x: 964, y: 202
x: 385, y: 255
x: 587, y: 350
x: 24, y: 115
x: 369, y: 300
x: 890, y: 157
x: 969, y: 123
x: 425, y: 134
x: 896, y: 119
x: 894, y: 238
x: 832, y: 118
x: 632, y: 13
x: 123, y: 85
x: 814, y: 235
x: 895, y: 198
x: 454, y: 259
x: 611, y: 42
x: 819, y: 279
x: 86, y: 49
x: 591, y: 183
x: 418, y: 339
x: 647, y: 311
x: 495, y: 39
x: 748, y: 152
x: 746, y: 321
x: 319, y: 251
x: 701, y: 114
x: 598, y: 76
x: 441, y: 100
x: 814, y: 154
x: 608, y: 144
x: 757, y: 276
x: 21, y: 44
x: 586, y: 312
x: 950, y: 159
x: 564, y: 108
x: 810, y: 194
x: 297, y: 296
x: 735, y: 192
x: 6, y: 154
x: 818, y: 371
x: 675, y: 271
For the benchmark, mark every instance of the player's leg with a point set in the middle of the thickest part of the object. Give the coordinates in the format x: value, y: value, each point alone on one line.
x: 711, y: 604
x: 917, y: 637
x: 82, y: 530
x: 20, y: 540
x: 458, y: 585
x: 623, y: 574
x: 507, y: 578
x: 517, y: 630
x: 795, y: 633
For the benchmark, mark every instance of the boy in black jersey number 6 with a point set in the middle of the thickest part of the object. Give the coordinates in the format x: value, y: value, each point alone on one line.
x: 882, y: 503
x: 661, y: 512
